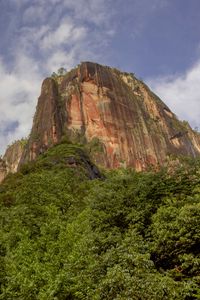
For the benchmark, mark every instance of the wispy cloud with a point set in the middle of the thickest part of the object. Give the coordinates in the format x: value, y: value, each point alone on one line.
x: 47, y: 34
x: 182, y: 93
x: 41, y: 36
x: 66, y: 34
x: 18, y: 99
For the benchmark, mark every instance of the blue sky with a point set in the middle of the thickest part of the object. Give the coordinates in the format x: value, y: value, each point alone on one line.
x: 158, y: 40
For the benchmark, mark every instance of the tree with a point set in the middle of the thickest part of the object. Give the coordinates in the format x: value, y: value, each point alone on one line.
x: 61, y: 71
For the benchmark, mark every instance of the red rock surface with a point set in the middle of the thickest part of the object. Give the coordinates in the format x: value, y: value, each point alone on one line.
x: 133, y: 126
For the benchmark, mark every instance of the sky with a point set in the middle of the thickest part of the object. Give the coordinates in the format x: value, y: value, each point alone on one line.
x: 158, y: 40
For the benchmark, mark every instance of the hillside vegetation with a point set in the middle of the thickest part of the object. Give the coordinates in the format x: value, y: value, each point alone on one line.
x: 124, y: 235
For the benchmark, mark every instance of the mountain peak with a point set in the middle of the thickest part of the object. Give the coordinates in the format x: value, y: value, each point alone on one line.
x: 113, y: 110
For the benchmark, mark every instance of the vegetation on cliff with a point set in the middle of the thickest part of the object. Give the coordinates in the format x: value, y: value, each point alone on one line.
x: 91, y: 101
x: 124, y: 235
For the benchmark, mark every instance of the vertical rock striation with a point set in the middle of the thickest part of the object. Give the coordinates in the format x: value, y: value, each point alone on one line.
x: 132, y: 126
x: 13, y: 155
x: 3, y: 171
x: 10, y: 161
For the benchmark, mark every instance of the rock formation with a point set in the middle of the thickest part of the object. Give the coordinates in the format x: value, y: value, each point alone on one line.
x: 131, y: 124
x: 122, y: 122
x: 3, y: 171
x: 10, y: 161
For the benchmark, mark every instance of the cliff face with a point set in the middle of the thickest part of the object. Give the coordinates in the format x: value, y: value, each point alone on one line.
x: 3, y: 171
x: 13, y: 156
x: 101, y: 105
x: 10, y: 161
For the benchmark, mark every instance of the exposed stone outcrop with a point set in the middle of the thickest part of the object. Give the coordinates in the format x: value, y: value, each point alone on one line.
x: 132, y: 125
x: 13, y: 155
x: 3, y: 171
x: 10, y: 161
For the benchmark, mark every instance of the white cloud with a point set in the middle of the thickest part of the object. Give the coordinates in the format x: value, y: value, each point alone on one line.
x: 66, y: 33
x: 94, y: 11
x: 181, y: 93
x: 56, y: 33
x: 61, y: 58
x: 36, y: 13
x: 17, y: 101
x: 49, y: 34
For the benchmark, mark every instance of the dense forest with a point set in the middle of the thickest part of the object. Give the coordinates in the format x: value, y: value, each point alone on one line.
x: 124, y: 235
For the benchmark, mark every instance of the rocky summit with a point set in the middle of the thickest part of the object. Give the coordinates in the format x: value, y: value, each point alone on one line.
x: 120, y: 119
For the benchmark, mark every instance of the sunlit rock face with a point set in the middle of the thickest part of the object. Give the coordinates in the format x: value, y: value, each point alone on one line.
x: 13, y: 155
x: 10, y: 161
x: 3, y: 172
x: 131, y: 124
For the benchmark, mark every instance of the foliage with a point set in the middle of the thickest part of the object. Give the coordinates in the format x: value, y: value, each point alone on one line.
x: 22, y: 142
x: 61, y: 72
x: 130, y: 236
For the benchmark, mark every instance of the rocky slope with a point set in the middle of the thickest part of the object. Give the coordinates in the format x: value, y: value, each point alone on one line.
x: 120, y: 119
x: 101, y: 105
x: 10, y: 161
x: 3, y: 171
